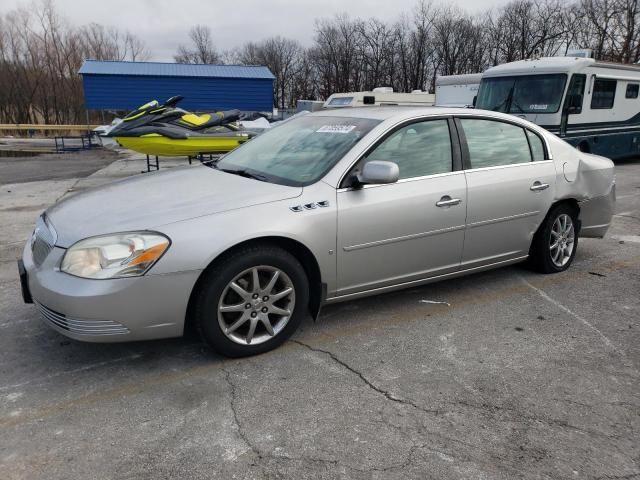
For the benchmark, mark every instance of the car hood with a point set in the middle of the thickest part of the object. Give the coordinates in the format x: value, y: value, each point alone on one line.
x: 148, y: 201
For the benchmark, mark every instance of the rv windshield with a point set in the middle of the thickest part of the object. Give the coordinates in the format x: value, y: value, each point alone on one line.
x: 522, y: 94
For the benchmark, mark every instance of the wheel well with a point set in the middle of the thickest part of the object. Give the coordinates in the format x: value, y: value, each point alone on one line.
x: 297, y: 249
x: 573, y: 203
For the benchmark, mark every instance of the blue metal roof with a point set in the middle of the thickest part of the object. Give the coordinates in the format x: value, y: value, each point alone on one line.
x: 158, y: 69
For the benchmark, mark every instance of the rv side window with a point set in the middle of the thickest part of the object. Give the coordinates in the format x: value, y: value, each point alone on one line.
x: 537, y: 147
x: 632, y: 90
x: 604, y: 92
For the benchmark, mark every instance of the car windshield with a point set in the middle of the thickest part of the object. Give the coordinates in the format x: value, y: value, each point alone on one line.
x: 522, y: 94
x: 298, y: 152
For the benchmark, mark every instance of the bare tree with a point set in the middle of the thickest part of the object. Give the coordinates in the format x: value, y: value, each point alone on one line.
x: 202, y: 50
x: 40, y: 55
x: 282, y: 56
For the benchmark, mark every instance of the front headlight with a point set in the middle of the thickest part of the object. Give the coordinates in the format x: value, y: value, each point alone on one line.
x: 113, y: 256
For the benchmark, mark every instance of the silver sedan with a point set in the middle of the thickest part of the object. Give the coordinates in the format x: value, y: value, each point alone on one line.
x: 325, y: 208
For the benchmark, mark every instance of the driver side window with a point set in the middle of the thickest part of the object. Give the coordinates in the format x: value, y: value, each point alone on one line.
x: 419, y: 149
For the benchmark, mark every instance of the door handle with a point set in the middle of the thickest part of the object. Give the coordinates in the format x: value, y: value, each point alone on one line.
x: 447, y: 201
x: 538, y: 186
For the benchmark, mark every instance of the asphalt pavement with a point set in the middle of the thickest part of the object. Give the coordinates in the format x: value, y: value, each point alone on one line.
x: 506, y: 374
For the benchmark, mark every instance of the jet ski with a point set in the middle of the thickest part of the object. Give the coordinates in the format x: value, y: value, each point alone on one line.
x: 166, y: 130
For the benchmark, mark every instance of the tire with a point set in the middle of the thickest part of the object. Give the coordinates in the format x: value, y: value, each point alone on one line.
x: 542, y: 256
x: 225, y: 314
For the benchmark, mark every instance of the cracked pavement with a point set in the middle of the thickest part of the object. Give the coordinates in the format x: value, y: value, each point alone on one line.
x: 520, y: 376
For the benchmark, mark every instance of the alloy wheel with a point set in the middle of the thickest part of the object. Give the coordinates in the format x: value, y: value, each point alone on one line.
x: 256, y: 305
x: 562, y: 240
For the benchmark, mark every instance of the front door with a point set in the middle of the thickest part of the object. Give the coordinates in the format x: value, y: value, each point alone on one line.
x: 510, y: 188
x: 405, y: 231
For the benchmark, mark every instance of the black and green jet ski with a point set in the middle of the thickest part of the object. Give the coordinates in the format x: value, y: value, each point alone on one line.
x: 169, y: 131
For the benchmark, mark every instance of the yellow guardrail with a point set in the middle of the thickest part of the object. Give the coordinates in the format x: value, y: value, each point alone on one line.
x: 28, y: 126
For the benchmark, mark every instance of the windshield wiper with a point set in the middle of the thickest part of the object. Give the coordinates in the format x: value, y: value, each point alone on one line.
x: 245, y: 173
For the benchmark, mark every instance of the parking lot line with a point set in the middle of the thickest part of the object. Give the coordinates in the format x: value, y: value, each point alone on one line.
x: 572, y: 313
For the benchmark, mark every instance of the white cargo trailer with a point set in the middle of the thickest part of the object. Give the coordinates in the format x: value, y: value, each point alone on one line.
x: 457, y: 90
x: 379, y: 96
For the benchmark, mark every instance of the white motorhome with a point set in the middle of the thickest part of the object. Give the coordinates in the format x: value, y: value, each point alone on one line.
x: 379, y: 96
x: 592, y: 105
x: 457, y: 90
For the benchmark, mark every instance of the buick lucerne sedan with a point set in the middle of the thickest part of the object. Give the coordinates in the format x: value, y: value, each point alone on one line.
x: 327, y: 207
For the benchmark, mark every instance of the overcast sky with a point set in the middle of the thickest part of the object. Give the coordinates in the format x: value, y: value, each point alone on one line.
x: 164, y: 24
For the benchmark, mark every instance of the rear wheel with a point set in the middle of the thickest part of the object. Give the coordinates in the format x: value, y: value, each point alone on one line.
x: 555, y: 243
x: 252, y: 301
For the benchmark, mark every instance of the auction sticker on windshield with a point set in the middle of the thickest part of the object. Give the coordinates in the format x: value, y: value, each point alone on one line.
x: 335, y: 129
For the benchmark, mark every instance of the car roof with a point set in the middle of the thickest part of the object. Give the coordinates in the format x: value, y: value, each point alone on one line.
x: 378, y: 113
x: 396, y: 112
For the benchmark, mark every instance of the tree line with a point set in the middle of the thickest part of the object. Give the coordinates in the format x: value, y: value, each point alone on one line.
x: 40, y: 53
x: 354, y: 54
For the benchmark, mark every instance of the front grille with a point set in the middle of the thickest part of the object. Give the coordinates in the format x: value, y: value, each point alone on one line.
x: 81, y: 327
x: 42, y: 241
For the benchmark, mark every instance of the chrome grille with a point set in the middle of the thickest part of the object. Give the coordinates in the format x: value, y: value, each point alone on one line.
x: 42, y: 241
x: 81, y: 327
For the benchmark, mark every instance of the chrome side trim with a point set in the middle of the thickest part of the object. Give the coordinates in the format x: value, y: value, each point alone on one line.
x: 511, y: 165
x: 503, y: 219
x: 402, y: 239
x: 403, y: 180
x: 437, y: 232
x: 422, y: 281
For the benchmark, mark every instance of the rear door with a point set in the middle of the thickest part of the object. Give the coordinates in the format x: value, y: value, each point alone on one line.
x: 411, y: 229
x: 510, y: 188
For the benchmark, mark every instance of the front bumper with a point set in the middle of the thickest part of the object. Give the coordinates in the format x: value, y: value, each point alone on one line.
x: 114, y: 310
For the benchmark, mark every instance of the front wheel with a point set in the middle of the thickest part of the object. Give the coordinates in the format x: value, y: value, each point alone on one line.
x: 555, y: 243
x: 252, y: 301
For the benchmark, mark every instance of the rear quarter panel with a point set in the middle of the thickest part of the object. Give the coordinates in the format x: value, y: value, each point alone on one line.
x: 588, y: 179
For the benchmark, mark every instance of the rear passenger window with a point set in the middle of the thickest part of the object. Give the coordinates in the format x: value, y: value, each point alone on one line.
x: 419, y: 149
x: 632, y: 90
x: 493, y: 143
x: 604, y: 92
x: 537, y: 147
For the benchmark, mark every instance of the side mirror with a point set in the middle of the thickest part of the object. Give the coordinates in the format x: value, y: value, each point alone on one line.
x: 574, y: 103
x: 379, y: 172
x: 475, y: 99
